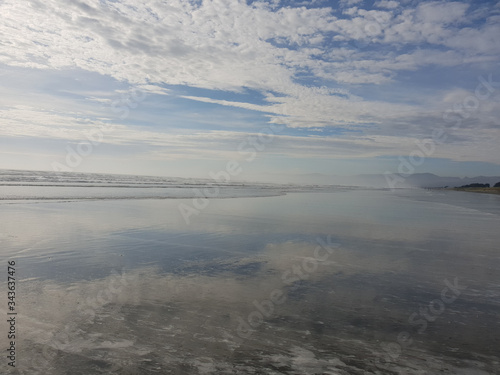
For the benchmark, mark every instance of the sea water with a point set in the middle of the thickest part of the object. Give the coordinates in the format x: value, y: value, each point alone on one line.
x: 270, y: 280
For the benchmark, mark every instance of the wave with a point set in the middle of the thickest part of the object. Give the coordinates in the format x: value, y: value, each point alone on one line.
x: 44, y: 178
x: 18, y: 186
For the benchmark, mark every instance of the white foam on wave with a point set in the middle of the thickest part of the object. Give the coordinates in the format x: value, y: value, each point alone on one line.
x: 30, y: 186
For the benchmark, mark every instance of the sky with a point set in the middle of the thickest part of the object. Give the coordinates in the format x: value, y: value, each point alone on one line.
x: 249, y: 89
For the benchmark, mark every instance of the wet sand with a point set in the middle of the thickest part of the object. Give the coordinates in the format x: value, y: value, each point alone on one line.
x: 351, y: 282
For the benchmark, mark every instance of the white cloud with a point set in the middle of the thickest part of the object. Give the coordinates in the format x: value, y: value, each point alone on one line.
x: 439, y: 12
x: 444, y: 24
x: 350, y: 2
x: 218, y: 44
x: 388, y: 4
x: 236, y: 47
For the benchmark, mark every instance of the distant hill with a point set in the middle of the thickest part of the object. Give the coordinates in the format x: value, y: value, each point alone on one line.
x: 424, y: 180
x: 421, y: 180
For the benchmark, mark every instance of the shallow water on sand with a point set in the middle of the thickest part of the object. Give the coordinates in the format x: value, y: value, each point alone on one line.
x: 331, y: 282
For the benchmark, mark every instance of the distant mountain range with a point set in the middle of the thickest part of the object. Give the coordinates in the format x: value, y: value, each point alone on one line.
x: 429, y: 180
x: 420, y: 180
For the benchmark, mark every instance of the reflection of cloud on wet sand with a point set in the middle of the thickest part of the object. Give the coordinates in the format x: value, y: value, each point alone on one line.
x: 146, y: 322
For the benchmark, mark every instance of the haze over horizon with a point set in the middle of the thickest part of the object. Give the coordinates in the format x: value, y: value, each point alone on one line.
x: 188, y: 88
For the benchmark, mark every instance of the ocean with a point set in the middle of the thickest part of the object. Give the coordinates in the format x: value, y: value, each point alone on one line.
x: 148, y: 275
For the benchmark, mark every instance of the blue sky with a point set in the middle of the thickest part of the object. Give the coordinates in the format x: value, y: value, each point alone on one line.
x: 179, y: 88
